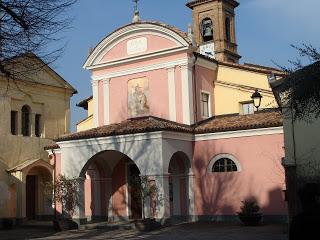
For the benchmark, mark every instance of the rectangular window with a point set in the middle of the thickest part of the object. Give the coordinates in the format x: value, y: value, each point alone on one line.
x: 205, y: 110
x: 14, y: 121
x: 38, y: 125
x: 247, y: 108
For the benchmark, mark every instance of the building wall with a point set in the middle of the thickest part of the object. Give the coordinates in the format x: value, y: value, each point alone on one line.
x: 53, y: 103
x: 302, y: 146
x: 157, y: 95
x: 234, y: 86
x: 205, y: 79
x: 261, y: 175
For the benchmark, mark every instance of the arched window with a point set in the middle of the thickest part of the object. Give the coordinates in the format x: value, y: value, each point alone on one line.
x: 25, y: 120
x: 224, y: 163
x: 207, y: 30
x: 227, y: 29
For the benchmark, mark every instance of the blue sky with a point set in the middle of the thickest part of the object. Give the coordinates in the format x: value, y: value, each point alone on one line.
x: 265, y: 30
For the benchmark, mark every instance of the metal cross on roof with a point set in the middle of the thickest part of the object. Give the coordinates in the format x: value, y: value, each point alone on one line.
x: 136, y: 5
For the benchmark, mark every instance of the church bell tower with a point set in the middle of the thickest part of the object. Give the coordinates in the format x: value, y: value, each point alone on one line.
x: 214, y: 28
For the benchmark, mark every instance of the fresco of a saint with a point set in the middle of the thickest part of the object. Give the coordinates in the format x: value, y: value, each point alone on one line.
x: 138, y: 93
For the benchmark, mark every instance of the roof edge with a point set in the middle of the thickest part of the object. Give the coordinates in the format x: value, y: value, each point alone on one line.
x: 195, y: 3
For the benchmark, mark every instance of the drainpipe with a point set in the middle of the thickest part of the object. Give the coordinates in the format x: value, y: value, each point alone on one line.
x: 54, y: 183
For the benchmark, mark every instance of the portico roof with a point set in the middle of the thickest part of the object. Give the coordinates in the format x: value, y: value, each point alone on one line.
x: 224, y: 123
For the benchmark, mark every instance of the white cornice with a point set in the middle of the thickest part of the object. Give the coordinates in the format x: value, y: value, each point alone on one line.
x: 239, y: 133
x: 144, y: 57
x: 242, y: 87
x: 207, y: 64
x: 147, y: 68
x: 170, y: 135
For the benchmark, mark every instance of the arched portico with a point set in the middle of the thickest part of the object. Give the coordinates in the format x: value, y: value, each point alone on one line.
x: 108, y: 187
x: 100, y: 158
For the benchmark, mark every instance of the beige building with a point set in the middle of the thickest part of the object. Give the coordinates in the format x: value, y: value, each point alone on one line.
x: 34, y: 110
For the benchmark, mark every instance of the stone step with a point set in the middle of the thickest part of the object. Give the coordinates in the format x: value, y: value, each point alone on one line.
x: 108, y: 226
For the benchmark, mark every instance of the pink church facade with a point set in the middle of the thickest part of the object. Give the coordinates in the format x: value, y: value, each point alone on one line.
x: 149, y: 119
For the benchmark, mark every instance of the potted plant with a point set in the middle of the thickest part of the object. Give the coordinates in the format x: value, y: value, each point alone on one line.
x: 7, y: 223
x: 64, y: 192
x: 144, y: 188
x: 249, y: 214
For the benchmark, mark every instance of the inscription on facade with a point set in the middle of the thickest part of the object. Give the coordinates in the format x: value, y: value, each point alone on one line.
x: 137, y: 45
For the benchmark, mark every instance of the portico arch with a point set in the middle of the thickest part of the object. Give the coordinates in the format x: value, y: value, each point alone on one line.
x: 108, y: 193
x: 179, y: 179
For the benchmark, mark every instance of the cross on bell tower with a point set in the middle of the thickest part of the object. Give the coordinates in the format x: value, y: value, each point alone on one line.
x: 136, y: 16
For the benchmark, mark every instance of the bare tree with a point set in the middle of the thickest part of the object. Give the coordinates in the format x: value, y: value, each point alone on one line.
x: 26, y: 29
x: 300, y: 90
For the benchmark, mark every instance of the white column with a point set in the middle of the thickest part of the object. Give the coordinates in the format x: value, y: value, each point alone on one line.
x: 163, y: 204
x: 172, y: 94
x: 191, y: 197
x: 106, y: 95
x: 187, y: 95
x: 109, y: 198
x: 95, y: 94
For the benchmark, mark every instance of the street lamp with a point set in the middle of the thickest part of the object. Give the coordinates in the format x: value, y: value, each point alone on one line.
x: 256, y: 97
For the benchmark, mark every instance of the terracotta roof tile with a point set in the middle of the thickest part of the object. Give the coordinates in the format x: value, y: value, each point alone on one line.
x: 130, y: 126
x: 52, y: 146
x: 263, y: 119
x: 84, y: 103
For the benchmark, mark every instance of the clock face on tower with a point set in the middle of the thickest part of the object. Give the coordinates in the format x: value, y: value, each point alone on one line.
x: 207, y: 49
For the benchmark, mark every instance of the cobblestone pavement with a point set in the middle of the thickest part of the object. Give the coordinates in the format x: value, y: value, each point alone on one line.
x: 183, y: 231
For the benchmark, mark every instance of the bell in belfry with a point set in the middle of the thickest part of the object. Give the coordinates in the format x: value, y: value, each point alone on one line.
x: 207, y: 30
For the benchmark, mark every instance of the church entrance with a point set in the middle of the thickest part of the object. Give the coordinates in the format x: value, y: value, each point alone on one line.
x: 31, y: 197
x: 111, y: 188
x: 38, y: 203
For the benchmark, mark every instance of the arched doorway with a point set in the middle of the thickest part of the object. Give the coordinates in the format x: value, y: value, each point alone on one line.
x: 110, y: 187
x: 38, y: 203
x: 179, y: 169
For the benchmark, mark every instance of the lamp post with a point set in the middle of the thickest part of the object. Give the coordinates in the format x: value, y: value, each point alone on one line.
x: 256, y: 97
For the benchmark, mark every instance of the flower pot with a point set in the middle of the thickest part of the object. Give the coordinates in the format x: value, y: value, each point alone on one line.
x: 148, y: 224
x: 251, y: 220
x: 64, y: 225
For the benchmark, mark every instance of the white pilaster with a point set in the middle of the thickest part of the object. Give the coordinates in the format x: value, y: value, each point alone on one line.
x: 172, y: 94
x: 95, y: 94
x: 187, y: 94
x: 163, y: 206
x: 79, y: 212
x: 106, y: 95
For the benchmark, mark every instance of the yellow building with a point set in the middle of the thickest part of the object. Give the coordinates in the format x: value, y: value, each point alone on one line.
x: 34, y: 109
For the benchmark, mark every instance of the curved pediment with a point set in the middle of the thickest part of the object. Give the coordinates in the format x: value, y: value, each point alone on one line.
x: 137, y: 41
